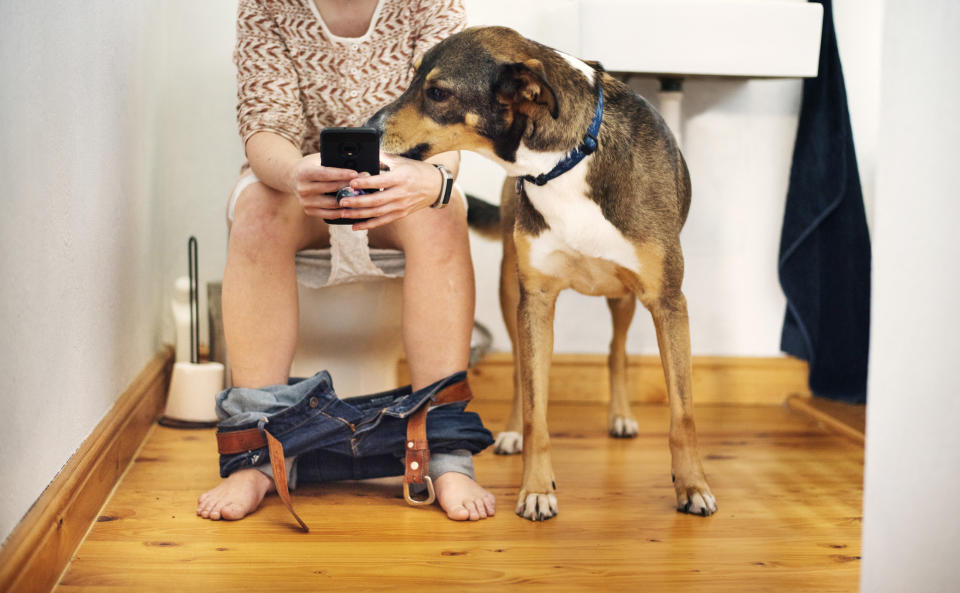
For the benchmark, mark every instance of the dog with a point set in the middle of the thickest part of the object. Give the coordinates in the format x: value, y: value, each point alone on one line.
x: 596, y: 195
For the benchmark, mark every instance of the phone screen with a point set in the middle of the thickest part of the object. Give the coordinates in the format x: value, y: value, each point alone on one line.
x: 351, y: 148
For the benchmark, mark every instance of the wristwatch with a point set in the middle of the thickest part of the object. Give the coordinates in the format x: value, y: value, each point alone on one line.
x: 446, y: 187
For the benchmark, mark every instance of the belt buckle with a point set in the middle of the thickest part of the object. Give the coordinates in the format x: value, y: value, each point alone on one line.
x: 431, y: 494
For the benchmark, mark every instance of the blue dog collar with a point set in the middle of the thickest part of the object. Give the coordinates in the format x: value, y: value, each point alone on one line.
x: 588, y: 146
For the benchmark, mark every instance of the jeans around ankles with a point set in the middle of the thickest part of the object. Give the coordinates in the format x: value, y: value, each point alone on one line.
x: 344, y: 439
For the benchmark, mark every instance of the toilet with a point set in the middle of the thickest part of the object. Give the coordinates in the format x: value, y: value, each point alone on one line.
x: 351, y: 329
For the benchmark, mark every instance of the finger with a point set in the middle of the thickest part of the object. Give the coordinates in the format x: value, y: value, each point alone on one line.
x: 320, y: 173
x: 383, y: 180
x: 324, y: 213
x: 379, y: 221
x: 319, y: 190
x: 372, y: 200
x: 320, y: 201
x: 375, y: 212
x: 405, y: 204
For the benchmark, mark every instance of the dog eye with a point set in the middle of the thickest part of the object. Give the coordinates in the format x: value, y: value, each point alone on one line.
x: 438, y: 94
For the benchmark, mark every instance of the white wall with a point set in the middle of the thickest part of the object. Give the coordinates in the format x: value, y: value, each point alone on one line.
x: 79, y: 302
x: 911, y: 529
x: 198, y: 149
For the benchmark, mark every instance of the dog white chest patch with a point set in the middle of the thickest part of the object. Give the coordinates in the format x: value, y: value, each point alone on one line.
x: 581, y: 244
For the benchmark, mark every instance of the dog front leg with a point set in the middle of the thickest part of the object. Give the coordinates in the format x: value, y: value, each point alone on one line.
x: 621, y: 422
x: 673, y: 336
x: 537, y: 500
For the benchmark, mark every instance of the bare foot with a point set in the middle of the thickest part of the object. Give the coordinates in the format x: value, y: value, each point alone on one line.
x: 462, y: 498
x: 238, y: 495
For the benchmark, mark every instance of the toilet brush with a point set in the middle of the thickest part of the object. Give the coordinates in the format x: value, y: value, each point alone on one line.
x: 193, y: 386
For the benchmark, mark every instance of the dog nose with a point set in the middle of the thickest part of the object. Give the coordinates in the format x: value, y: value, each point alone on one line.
x: 376, y: 122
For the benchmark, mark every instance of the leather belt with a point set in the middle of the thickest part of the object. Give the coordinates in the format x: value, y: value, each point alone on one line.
x: 416, y: 464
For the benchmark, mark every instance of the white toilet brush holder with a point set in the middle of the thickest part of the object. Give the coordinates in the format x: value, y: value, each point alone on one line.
x: 191, y: 399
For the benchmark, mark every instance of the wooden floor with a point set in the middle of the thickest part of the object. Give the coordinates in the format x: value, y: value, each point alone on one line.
x: 789, y: 519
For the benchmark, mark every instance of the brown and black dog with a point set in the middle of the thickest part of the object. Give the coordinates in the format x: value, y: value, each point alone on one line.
x: 607, y: 224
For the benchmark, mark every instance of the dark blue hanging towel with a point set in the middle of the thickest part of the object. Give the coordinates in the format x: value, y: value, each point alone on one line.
x: 824, y: 264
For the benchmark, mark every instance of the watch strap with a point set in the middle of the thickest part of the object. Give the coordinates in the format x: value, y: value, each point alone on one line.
x: 446, y: 187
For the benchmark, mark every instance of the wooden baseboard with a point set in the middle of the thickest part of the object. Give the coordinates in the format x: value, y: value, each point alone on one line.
x: 847, y: 419
x: 41, y: 546
x: 584, y: 377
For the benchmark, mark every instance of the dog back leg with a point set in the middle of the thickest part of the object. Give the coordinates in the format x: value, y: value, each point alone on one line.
x: 621, y: 422
x: 510, y: 441
x: 673, y: 337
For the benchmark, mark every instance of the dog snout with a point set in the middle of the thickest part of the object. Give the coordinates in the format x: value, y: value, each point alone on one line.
x: 376, y: 122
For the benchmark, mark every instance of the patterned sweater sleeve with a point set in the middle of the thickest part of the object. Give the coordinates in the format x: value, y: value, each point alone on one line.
x: 439, y: 19
x: 268, y: 95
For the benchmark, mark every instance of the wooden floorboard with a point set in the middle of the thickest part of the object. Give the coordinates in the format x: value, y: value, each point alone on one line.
x: 789, y: 519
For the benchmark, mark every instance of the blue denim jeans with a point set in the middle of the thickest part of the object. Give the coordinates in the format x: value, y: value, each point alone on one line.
x: 344, y: 439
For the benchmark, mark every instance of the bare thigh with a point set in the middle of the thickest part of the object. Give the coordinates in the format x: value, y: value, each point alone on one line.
x: 419, y: 225
x: 260, y: 204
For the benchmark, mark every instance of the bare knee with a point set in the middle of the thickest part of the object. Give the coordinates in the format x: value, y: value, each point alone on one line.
x: 442, y: 233
x: 265, y: 222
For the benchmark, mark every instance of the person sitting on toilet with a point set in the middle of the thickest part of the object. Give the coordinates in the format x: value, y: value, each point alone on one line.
x: 304, y: 65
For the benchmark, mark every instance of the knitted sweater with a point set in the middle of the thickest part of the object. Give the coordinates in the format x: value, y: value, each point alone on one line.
x: 296, y: 78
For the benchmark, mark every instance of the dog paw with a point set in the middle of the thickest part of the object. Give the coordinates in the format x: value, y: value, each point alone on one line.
x: 696, y: 500
x: 623, y: 428
x: 508, y: 443
x: 537, y: 507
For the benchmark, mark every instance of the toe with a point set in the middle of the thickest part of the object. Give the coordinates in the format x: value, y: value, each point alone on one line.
x: 508, y: 443
x: 204, y: 509
x: 472, y: 509
x: 537, y: 507
x: 490, y: 503
x: 481, y: 508
x: 459, y: 513
x: 232, y: 511
x: 697, y: 503
x: 203, y: 503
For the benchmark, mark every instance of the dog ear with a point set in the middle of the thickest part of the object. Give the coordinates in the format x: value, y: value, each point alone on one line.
x: 595, y: 65
x: 524, y: 82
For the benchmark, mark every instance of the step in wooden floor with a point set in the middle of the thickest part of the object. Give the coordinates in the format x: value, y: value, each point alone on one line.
x: 789, y: 519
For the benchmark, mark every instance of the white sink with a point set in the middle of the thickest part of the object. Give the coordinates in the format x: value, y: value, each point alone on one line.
x: 703, y: 37
x: 747, y: 38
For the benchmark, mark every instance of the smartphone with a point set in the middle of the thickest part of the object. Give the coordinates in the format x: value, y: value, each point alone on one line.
x: 350, y: 148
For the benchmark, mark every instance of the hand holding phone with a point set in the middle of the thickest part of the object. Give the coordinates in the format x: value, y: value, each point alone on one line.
x: 350, y: 148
